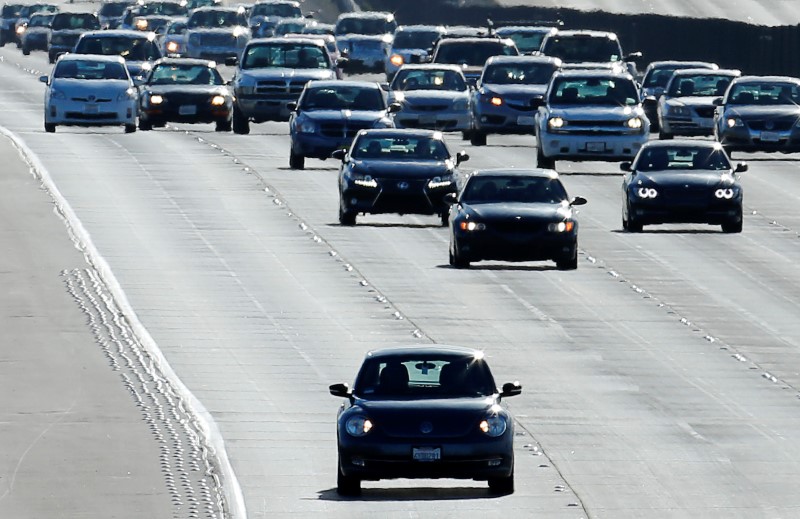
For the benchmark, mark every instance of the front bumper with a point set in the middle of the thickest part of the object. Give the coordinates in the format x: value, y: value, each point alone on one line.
x: 317, y: 146
x: 74, y: 113
x: 264, y: 109
x: 211, y: 53
x: 397, y: 196
x: 703, y: 209
x: 746, y: 139
x: 608, y: 147
x: 446, y: 120
x: 504, y: 119
x: 515, y: 245
x: 185, y: 114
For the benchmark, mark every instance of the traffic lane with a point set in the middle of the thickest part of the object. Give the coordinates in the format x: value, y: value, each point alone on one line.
x: 634, y: 349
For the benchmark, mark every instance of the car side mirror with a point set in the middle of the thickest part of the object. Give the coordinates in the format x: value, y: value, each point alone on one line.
x: 139, y: 80
x: 717, y: 101
x: 625, y: 166
x: 44, y: 79
x: 511, y: 389
x: 394, y: 108
x: 450, y: 199
x: 339, y: 154
x: 578, y: 200
x: 741, y: 167
x: 633, y: 56
x: 291, y: 106
x: 340, y: 390
x: 537, y: 101
x: 461, y: 156
x: 231, y: 61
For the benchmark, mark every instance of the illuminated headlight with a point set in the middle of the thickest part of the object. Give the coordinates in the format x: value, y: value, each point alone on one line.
x: 472, y: 226
x: 141, y: 24
x: 396, y: 60
x: 387, y: 39
x: 494, y: 426
x: 556, y: 122
x: 726, y: 193
x: 734, y: 122
x: 646, y: 192
x: 128, y: 94
x: 173, y: 47
x: 460, y: 104
x: 156, y: 99
x: 439, y: 182
x: 358, y: 425
x: 20, y: 29
x: 307, y: 127
x: 365, y: 181
x: 679, y: 111
x: 146, y: 67
x: 217, y: 100
x: 567, y: 226
x: 634, y: 123
x: 496, y: 101
x: 239, y: 31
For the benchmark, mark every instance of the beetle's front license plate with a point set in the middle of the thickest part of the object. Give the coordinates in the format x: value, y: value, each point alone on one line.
x: 595, y: 147
x: 187, y: 110
x: 525, y: 120
x: 770, y: 137
x: 427, y: 453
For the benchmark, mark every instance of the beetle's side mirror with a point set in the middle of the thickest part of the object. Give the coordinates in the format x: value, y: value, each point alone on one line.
x: 578, y: 200
x: 339, y: 154
x: 394, y: 108
x: 450, y: 199
x: 44, y: 79
x: 741, y: 167
x: 291, y: 106
x: 340, y: 390
x: 461, y: 156
x: 625, y: 166
x: 717, y: 101
x: 231, y: 61
x: 511, y: 389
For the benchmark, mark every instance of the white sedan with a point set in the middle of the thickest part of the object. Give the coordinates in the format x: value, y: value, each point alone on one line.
x: 89, y: 90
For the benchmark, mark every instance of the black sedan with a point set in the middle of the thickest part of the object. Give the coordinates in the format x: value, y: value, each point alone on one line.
x: 429, y: 411
x: 514, y: 215
x: 396, y: 171
x: 689, y: 181
x: 187, y: 91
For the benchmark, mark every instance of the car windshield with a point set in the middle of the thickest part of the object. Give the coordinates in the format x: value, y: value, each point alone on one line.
x: 661, y: 158
x: 429, y: 79
x: 513, y: 188
x: 577, y: 49
x: 290, y: 55
x: 168, y: 74
x: 40, y: 20
x: 343, y: 98
x: 526, y: 41
x: 162, y: 8
x: 473, y: 54
x: 519, y: 73
x: 399, y: 147
x: 40, y: 8
x: 75, y: 21
x: 287, y: 27
x: 415, y: 39
x: 276, y: 9
x: 611, y: 91
x: 767, y: 93
x: 194, y: 4
x: 699, y: 85
x: 12, y: 10
x: 85, y: 69
x: 424, y: 376
x: 177, y: 28
x: 213, y: 19
x: 373, y: 26
x: 132, y: 49
x: 112, y: 9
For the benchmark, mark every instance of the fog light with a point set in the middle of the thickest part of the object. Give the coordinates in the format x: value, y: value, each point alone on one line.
x: 353, y: 201
x: 358, y: 462
x: 495, y: 463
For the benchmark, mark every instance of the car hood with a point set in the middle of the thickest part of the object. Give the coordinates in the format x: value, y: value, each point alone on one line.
x: 596, y: 113
x: 350, y: 38
x: 688, y: 178
x: 344, y: 115
x: 424, y: 96
x: 212, y: 30
x: 187, y: 89
x: 99, y: 88
x: 446, y: 417
x: 400, y: 169
x: 522, y: 211
x: 289, y: 73
x: 758, y: 112
x: 515, y: 91
x: 691, y: 101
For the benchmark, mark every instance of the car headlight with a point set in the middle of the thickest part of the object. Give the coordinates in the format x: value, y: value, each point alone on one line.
x: 126, y: 95
x: 556, y: 122
x: 173, y: 47
x: 634, y: 123
x: 20, y: 29
x: 566, y: 226
x: 156, y: 99
x: 358, y: 425
x: 494, y: 425
x: 461, y: 104
x: 678, y: 111
x: 725, y: 193
x: 365, y: 181
x: 218, y: 101
x: 141, y: 24
x: 440, y: 182
x: 734, y: 122
x: 471, y: 226
x: 496, y: 101
x: 307, y: 126
x: 646, y: 192
x: 57, y: 94
x: 397, y: 60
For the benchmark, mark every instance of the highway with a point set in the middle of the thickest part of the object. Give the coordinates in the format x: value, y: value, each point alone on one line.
x: 661, y: 379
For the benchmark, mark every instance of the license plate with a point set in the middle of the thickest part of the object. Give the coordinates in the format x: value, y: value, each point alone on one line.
x: 427, y: 453
x: 427, y: 120
x: 525, y: 120
x: 91, y: 108
x: 187, y: 110
x: 595, y: 147
x: 770, y: 137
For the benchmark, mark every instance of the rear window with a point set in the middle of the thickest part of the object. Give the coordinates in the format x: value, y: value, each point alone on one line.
x: 133, y: 49
x: 66, y: 21
x: 593, y: 91
x: 473, y: 54
x: 93, y: 70
x: 577, y: 49
x: 285, y: 55
x: 368, y: 26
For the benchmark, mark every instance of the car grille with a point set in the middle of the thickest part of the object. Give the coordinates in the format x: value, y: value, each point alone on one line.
x: 91, y: 117
x: 292, y: 88
x: 777, y: 125
x: 186, y: 98
x: 217, y: 40
x: 707, y: 112
x: 93, y: 100
x: 344, y: 130
x: 685, y: 195
x: 520, y: 107
x: 517, y: 226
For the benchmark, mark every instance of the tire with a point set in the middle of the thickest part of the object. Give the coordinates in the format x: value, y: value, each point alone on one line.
x: 49, y: 127
x: 733, y: 226
x: 570, y: 262
x: 296, y: 161
x: 241, y: 125
x: 51, y: 57
x: 456, y: 260
x: 130, y: 128
x: 477, y: 138
x: 145, y: 126
x: 466, y: 135
x: 346, y: 217
x: 544, y: 162
x: 26, y: 51
x: 444, y: 219
x: 502, y: 486
x: 347, y: 485
x: 633, y: 225
x: 664, y: 136
x: 224, y: 126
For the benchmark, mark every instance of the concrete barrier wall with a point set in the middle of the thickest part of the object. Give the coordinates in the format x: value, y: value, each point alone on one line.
x: 751, y: 48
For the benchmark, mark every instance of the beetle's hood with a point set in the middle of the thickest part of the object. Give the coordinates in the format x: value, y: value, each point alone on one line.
x: 400, y: 169
x: 754, y: 112
x: 596, y: 113
x: 365, y: 116
x: 515, y: 91
x: 288, y: 73
x: 446, y: 417
x: 187, y: 89
x: 679, y: 178
x: 691, y: 101
x: 524, y: 211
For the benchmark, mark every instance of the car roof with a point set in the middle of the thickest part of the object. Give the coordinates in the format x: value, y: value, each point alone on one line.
x: 681, y: 63
x: 766, y: 79
x: 432, y: 66
x: 308, y: 39
x: 346, y: 82
x: 717, y: 72
x: 261, y: 2
x: 529, y: 28
x: 120, y: 33
x: 682, y: 143
x: 472, y: 40
x: 391, y: 132
x: 600, y: 73
x: 420, y: 28
x: 368, y: 14
x: 515, y: 172
x: 417, y: 349
x: 586, y: 33
x: 539, y: 58
x: 216, y: 8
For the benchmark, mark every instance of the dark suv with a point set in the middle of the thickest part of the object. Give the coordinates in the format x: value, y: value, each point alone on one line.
x: 471, y: 53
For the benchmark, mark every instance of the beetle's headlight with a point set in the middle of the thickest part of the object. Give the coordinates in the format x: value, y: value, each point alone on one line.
x: 156, y: 99
x: 724, y: 193
x: 556, y: 122
x: 566, y: 226
x: 471, y: 226
x: 494, y: 425
x: 646, y: 192
x: 358, y: 425
x: 217, y: 100
x: 634, y: 123
x: 734, y: 122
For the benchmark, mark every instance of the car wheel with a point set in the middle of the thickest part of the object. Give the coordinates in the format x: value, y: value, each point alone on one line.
x: 145, y: 125
x: 502, y: 486
x: 728, y: 150
x: 569, y: 262
x: 664, y: 136
x: 26, y: 51
x: 478, y: 138
x: 734, y: 226
x: 465, y: 136
x: 51, y: 57
x: 445, y: 219
x: 130, y: 128
x: 347, y: 485
x: 241, y: 124
x: 544, y: 162
x: 223, y: 126
x: 49, y: 127
x: 346, y: 217
x: 633, y: 225
x: 296, y: 161
x: 457, y: 260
